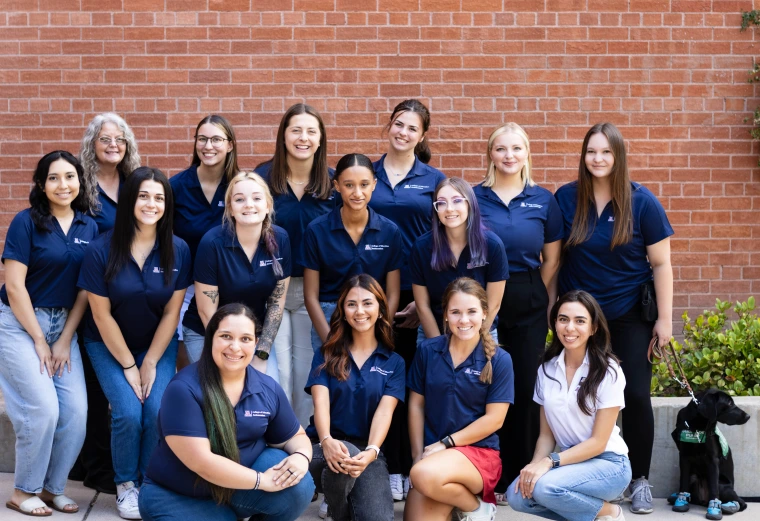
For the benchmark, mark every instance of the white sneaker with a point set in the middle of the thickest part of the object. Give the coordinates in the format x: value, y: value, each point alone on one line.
x: 397, y: 487
x: 619, y: 517
x: 485, y: 512
x: 323, y: 509
x: 126, y: 500
x: 406, y: 486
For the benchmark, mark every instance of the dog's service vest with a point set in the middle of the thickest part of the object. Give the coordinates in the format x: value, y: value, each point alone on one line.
x: 688, y: 436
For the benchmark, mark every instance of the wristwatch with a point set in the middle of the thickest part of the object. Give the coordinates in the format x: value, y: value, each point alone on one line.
x: 263, y: 355
x: 555, y: 460
x: 448, y: 442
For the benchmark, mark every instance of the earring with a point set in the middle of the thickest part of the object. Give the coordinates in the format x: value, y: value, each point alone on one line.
x: 380, y: 315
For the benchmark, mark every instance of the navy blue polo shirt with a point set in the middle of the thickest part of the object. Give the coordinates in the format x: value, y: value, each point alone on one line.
x: 531, y: 220
x: 263, y: 417
x: 294, y: 215
x: 193, y: 214
x: 353, y: 403
x: 137, y: 297
x: 106, y: 216
x: 222, y: 262
x: 409, y: 205
x: 330, y: 250
x: 613, y: 277
x: 495, y: 269
x: 52, y: 258
x: 455, y: 397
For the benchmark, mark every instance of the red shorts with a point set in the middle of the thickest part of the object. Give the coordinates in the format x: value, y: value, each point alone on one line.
x: 488, y: 463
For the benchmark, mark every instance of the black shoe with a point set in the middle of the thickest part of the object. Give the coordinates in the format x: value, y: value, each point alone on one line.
x: 103, y: 486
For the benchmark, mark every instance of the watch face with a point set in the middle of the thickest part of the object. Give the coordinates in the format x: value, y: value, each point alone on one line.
x: 263, y: 355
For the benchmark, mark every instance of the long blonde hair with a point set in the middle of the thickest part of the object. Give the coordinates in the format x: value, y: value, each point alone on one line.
x: 267, y: 232
x: 525, y: 174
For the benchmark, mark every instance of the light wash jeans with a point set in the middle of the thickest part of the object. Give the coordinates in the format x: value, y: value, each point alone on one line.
x: 294, y: 352
x: 421, y: 335
x: 194, y: 348
x: 158, y: 503
x: 328, y: 308
x: 48, y: 414
x: 134, y: 430
x: 575, y: 492
x: 185, y: 304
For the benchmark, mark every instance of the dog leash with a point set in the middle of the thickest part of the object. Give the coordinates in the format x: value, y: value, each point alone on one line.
x: 658, y: 352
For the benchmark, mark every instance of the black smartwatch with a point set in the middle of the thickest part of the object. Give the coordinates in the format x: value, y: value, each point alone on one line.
x: 448, y: 442
x: 263, y: 355
x: 555, y: 460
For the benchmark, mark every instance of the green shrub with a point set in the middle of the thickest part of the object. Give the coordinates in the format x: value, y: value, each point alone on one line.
x: 715, y: 353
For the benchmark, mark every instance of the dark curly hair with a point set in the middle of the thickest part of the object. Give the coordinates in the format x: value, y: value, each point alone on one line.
x: 40, y: 205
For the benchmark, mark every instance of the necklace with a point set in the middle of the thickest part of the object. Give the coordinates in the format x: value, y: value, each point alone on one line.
x: 144, y: 256
x: 392, y: 171
x: 296, y: 183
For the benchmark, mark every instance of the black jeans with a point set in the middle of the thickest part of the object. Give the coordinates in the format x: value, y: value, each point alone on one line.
x: 366, y: 498
x: 630, y: 338
x: 397, y: 447
x: 522, y: 333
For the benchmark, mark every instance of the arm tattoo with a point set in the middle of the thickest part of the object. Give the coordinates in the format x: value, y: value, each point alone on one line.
x: 212, y: 295
x: 273, y: 318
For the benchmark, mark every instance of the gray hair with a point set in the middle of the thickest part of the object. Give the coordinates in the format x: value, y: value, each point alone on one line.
x: 89, y: 160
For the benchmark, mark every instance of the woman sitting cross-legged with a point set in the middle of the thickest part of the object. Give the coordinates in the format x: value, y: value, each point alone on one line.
x: 229, y: 445
x: 356, y: 382
x: 580, y: 391
x: 461, y: 386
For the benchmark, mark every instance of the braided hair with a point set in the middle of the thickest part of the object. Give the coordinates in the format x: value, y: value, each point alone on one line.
x: 267, y: 231
x: 470, y: 286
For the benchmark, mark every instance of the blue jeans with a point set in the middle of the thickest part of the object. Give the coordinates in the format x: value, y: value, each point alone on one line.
x: 421, y: 335
x: 160, y: 504
x: 328, y: 308
x: 366, y: 498
x: 134, y: 431
x: 194, y: 348
x: 575, y: 492
x: 48, y: 414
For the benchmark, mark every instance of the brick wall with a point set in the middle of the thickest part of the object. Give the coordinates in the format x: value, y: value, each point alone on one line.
x: 670, y: 73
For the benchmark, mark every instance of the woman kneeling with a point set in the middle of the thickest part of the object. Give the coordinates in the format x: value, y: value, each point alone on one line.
x: 230, y: 445
x: 461, y: 387
x: 580, y: 390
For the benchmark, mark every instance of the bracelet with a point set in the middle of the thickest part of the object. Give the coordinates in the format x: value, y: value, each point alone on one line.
x: 375, y: 448
x: 448, y: 442
x: 130, y: 367
x: 302, y: 454
x: 323, y: 440
x: 258, y: 480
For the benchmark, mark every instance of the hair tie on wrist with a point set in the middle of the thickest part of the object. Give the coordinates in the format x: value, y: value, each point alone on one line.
x: 302, y: 454
x: 130, y: 367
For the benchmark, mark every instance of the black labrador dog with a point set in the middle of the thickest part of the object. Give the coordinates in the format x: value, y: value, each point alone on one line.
x: 707, y: 468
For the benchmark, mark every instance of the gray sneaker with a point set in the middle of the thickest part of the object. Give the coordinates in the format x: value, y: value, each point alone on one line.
x: 641, y: 496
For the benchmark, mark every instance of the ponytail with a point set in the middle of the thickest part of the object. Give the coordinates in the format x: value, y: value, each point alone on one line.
x: 489, y: 348
x: 270, y: 243
x: 422, y: 151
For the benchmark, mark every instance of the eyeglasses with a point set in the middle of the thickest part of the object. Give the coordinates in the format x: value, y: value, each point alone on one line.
x: 457, y: 202
x: 120, y: 141
x: 216, y: 141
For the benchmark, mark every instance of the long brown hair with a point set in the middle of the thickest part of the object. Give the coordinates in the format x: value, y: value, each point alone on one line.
x: 472, y: 287
x: 598, y: 348
x: 339, y: 340
x: 231, y: 160
x: 621, y: 191
x: 319, y: 178
x: 422, y: 150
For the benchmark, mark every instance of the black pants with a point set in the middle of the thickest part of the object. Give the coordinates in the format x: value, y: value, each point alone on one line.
x: 522, y: 333
x: 94, y: 464
x: 630, y: 338
x: 397, y: 448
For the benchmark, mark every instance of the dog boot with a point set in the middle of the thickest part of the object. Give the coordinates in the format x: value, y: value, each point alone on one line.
x: 731, y: 507
x: 713, y: 510
x: 681, y: 503
x: 671, y: 498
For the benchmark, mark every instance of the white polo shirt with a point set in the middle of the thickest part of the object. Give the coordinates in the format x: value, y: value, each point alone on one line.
x: 568, y: 423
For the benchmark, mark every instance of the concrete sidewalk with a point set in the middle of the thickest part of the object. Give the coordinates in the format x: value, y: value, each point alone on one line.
x: 102, y: 507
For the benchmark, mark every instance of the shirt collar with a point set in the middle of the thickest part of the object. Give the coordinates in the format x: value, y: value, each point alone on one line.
x: 78, y: 216
x: 489, y: 193
x: 560, y: 361
x: 442, y: 346
x: 336, y: 221
x: 230, y: 237
x: 417, y: 168
x: 193, y: 180
x: 252, y: 384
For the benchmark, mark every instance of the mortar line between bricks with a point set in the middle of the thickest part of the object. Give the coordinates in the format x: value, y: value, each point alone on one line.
x: 91, y: 506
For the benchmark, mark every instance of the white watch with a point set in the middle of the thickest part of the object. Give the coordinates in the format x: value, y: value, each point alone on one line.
x: 375, y: 448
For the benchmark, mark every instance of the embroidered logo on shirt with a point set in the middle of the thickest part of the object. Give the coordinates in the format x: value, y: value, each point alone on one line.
x: 257, y: 414
x: 80, y: 241
x: 611, y: 219
x: 221, y: 204
x: 531, y: 205
x: 579, y: 383
x: 156, y: 269
x: 416, y: 187
x: 375, y: 369
x: 369, y: 247
x: 472, y: 265
x: 265, y: 263
x: 471, y: 371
